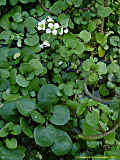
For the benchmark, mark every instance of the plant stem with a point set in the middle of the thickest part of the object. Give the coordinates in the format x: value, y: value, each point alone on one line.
x: 46, y: 9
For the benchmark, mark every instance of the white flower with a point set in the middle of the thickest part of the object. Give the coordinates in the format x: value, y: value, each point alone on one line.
x: 42, y: 46
x: 50, y: 25
x: 46, y: 43
x: 56, y: 26
x: 54, y: 32
x: 60, y: 62
x: 49, y: 19
x: 41, y: 25
x: 61, y: 32
x: 66, y: 30
x: 48, y: 30
x: 16, y: 55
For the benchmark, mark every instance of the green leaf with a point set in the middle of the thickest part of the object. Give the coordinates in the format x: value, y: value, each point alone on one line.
x: 2, y: 2
x: 17, y: 154
x: 61, y: 115
x: 21, y: 81
x: 80, y: 109
x: 8, y: 111
x: 101, y: 68
x: 3, y: 84
x: 62, y: 144
x: 103, y: 90
x: 32, y: 40
x: 104, y: 11
x: 110, y: 139
x: 13, y: 2
x: 113, y: 68
x: 92, y: 118
x: 58, y: 7
x: 26, y: 128
x: 25, y: 106
x: 101, y: 39
x: 115, y: 40
x: 85, y: 35
x: 47, y: 95
x: 101, y: 51
x: 31, y: 23
x: 11, y: 143
x: 68, y: 89
x: 44, y: 136
x: 37, y: 117
x: 63, y: 19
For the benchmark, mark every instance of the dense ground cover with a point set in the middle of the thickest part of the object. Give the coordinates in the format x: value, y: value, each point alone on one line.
x: 59, y: 79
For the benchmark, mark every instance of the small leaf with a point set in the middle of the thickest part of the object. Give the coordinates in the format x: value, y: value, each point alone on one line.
x: 85, y: 35
x: 11, y: 143
x: 101, y: 51
x: 101, y: 68
x: 21, y: 81
x: 37, y: 117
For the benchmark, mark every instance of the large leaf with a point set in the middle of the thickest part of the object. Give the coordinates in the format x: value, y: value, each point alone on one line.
x: 62, y: 144
x: 25, y: 106
x: 47, y: 95
x: 104, y: 11
x: 17, y: 154
x: 45, y: 136
x: 61, y: 115
x: 8, y: 111
x: 2, y: 2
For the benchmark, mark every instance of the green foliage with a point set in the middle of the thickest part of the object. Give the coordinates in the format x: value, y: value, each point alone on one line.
x: 57, y: 59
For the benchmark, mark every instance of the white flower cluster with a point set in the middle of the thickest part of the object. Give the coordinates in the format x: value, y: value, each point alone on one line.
x: 45, y: 44
x: 50, y: 26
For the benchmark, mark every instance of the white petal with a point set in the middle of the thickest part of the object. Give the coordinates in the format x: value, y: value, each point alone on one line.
x: 54, y: 32
x: 46, y: 43
x: 50, y: 25
x: 43, y: 21
x: 60, y: 63
x: 48, y: 30
x: 16, y: 55
x: 42, y: 46
x: 66, y: 30
x: 39, y: 28
x: 50, y: 19
x: 56, y: 26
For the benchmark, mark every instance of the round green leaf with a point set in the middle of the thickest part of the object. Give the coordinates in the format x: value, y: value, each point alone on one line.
x: 32, y: 40
x: 25, y: 106
x: 44, y: 136
x: 85, y: 35
x: 61, y: 115
x: 62, y: 144
x: 47, y: 95
x: 11, y: 143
